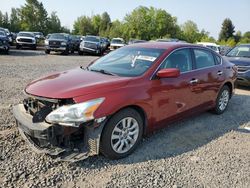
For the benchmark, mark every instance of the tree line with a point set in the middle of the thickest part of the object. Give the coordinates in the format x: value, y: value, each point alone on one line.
x: 31, y: 17
x: 146, y: 23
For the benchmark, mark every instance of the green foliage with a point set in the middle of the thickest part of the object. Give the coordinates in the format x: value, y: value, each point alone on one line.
x: 146, y: 23
x: 83, y: 26
x: 95, y: 25
x: 54, y: 24
x: 33, y: 15
x: 191, y: 32
x: 227, y: 30
x: 245, y: 38
x: 14, y: 22
x: 150, y: 23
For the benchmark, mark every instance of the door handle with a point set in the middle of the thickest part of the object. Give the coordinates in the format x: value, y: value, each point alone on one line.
x: 219, y: 73
x: 193, y: 81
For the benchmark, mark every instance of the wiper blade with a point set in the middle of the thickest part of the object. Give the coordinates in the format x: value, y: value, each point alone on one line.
x: 84, y: 68
x: 103, y: 71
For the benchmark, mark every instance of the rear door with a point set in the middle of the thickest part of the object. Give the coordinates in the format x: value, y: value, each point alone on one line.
x: 208, y: 75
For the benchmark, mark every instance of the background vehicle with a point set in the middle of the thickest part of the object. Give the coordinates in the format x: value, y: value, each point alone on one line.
x: 4, y: 42
x: 106, y: 43
x: 108, y: 106
x: 8, y: 33
x: 167, y: 40
x: 117, y: 43
x: 39, y: 35
x: 224, y: 49
x: 76, y: 40
x: 91, y: 44
x: 240, y: 56
x: 210, y: 45
x: 133, y: 41
x: 26, y: 39
x: 59, y: 42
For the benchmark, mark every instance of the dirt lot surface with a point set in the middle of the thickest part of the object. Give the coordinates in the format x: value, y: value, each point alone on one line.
x: 204, y: 151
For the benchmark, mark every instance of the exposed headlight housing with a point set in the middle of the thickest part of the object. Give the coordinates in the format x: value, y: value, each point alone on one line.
x: 73, y: 115
x: 63, y: 43
x: 46, y: 42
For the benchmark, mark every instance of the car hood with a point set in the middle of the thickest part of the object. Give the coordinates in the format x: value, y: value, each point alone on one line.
x: 73, y: 83
x: 239, y: 61
x: 23, y: 37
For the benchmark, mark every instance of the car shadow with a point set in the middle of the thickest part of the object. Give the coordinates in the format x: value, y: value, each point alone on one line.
x: 26, y: 52
x: 243, y: 87
x: 183, y: 136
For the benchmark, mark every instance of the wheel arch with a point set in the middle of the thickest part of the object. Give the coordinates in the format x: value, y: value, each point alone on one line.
x: 140, y: 110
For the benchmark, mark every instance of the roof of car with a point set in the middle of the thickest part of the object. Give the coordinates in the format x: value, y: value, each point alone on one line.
x: 163, y: 45
x: 247, y: 44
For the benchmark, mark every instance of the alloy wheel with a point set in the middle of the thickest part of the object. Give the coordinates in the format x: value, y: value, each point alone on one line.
x: 124, y: 135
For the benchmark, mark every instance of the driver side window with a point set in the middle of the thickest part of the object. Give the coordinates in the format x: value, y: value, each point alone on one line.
x: 180, y: 59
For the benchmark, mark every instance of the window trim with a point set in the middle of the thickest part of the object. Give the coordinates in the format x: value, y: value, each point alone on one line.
x: 191, y: 48
x: 212, y: 53
x: 177, y: 49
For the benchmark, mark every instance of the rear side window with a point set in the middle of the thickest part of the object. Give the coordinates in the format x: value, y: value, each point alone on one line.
x: 180, y: 59
x: 203, y: 58
x: 218, y: 59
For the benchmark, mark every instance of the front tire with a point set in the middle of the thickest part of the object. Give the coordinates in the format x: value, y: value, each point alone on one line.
x: 47, y: 51
x: 34, y: 47
x: 222, y: 100
x: 66, y: 52
x: 121, y: 134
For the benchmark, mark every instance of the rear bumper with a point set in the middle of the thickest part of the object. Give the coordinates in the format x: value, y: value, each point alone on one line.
x: 66, y: 143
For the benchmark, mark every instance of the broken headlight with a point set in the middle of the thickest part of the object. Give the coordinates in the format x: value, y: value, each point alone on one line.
x: 70, y: 115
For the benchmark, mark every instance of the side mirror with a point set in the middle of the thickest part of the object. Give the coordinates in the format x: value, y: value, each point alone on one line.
x: 168, y: 73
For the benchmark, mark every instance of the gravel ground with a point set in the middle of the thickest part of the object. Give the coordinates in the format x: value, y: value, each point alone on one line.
x: 203, y: 151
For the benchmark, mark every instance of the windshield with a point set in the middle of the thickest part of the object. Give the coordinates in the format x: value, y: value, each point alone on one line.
x: 25, y: 34
x: 2, y: 33
x: 128, y: 62
x: 117, y: 41
x: 92, y: 39
x: 58, y: 36
x: 239, y: 51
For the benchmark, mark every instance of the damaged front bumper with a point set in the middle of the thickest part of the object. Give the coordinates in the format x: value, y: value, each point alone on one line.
x: 64, y: 142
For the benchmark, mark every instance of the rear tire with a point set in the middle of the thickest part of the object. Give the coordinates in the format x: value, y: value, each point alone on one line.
x: 121, y: 134
x: 222, y: 100
x: 80, y: 52
x: 66, y: 52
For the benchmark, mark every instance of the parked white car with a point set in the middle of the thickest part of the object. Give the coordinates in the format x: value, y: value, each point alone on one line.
x: 210, y: 45
x: 117, y: 43
x: 26, y: 39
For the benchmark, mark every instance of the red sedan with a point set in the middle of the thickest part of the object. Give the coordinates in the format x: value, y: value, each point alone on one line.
x: 108, y: 106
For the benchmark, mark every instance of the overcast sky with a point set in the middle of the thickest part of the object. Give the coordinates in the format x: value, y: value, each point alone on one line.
x: 207, y: 14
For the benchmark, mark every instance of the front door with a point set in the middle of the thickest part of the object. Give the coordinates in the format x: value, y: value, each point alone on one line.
x: 174, y: 96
